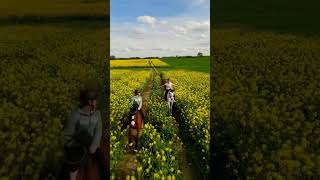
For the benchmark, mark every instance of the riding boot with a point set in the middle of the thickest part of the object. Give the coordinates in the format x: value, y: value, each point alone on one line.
x: 137, y: 140
x: 129, y: 136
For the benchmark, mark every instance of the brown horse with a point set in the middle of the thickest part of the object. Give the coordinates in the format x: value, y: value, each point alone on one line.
x: 89, y: 171
x: 135, y: 130
x: 93, y: 166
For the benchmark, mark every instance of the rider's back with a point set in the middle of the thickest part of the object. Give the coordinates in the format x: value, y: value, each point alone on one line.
x: 90, y: 122
x: 135, y: 102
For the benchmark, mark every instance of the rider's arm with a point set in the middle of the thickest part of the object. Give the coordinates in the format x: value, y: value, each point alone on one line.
x: 140, y: 105
x: 96, y: 134
x: 70, y: 127
x: 131, y: 103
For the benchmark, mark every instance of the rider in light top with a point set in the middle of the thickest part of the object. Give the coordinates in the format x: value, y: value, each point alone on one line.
x: 135, y: 105
x: 88, y: 119
x: 169, y: 86
x: 136, y: 101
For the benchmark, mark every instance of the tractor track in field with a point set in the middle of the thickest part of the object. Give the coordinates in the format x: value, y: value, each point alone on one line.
x: 128, y: 165
x: 188, y: 168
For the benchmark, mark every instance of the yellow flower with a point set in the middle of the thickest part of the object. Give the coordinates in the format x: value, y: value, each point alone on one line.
x: 173, y: 158
x: 173, y: 177
x: 139, y: 169
x: 156, y: 175
x: 164, y: 158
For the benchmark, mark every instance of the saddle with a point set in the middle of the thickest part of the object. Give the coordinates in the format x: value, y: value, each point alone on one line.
x: 138, y: 123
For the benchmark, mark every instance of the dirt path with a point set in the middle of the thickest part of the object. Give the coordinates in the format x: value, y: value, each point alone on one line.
x: 130, y: 163
x: 187, y: 166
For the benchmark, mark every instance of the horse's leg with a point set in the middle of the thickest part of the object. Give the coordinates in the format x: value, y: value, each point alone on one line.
x: 172, y: 103
x: 101, y: 162
x: 172, y: 108
x: 73, y: 175
x: 130, y: 136
x: 137, y: 140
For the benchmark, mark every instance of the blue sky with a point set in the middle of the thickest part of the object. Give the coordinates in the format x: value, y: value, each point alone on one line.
x: 159, y: 27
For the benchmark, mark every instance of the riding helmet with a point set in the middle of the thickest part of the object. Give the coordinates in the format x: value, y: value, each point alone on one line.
x: 136, y: 92
x: 86, y: 95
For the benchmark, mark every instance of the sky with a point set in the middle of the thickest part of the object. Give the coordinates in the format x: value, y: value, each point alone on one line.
x: 144, y: 28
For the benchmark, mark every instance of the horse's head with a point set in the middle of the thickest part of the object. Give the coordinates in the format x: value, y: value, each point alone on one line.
x: 171, y: 93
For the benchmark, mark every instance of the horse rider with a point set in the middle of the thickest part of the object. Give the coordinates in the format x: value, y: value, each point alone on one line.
x: 135, y: 106
x: 168, y: 86
x: 82, y: 133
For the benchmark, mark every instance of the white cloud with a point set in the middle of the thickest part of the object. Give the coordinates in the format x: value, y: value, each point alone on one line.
x: 203, y: 36
x: 201, y: 26
x: 146, y: 19
x: 179, y: 30
x: 161, y: 36
x: 139, y: 30
x: 163, y: 22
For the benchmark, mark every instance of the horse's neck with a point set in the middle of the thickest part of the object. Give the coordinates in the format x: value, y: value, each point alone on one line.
x: 138, y: 120
x: 170, y: 96
x: 138, y: 117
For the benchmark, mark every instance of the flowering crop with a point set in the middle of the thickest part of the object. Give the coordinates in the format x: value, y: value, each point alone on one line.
x: 158, y: 156
x: 40, y: 81
x: 123, y: 83
x: 131, y: 63
x: 266, y: 104
x: 193, y: 99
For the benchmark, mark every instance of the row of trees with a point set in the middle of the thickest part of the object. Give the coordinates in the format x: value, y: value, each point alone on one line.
x: 112, y: 57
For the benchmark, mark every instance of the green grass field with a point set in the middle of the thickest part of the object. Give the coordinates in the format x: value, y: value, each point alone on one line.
x: 48, y: 50
x: 201, y: 64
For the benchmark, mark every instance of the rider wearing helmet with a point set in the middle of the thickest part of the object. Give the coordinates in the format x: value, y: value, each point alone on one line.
x: 135, y: 105
x: 82, y: 133
x: 136, y: 101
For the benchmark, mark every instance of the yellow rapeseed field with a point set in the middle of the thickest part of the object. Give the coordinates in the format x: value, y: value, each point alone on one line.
x: 139, y: 63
